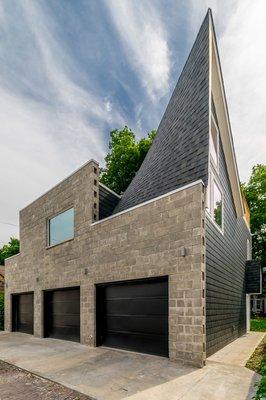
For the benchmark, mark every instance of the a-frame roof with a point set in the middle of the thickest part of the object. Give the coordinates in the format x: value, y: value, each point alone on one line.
x: 180, y: 152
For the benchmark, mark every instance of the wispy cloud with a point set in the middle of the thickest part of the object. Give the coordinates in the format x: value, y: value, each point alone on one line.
x: 241, y: 30
x: 49, y: 123
x: 244, y: 63
x: 144, y: 38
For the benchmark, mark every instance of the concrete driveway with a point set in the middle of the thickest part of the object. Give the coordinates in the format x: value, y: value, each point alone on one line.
x: 106, y: 374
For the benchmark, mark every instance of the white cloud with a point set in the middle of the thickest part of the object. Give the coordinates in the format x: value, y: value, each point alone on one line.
x: 144, y: 38
x: 241, y: 30
x: 49, y: 125
x: 108, y: 105
x: 244, y: 64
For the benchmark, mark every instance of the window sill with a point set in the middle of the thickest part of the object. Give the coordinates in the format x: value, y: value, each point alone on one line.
x: 214, y: 223
x: 58, y: 244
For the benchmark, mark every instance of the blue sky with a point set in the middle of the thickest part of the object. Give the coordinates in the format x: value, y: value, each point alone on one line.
x: 70, y: 71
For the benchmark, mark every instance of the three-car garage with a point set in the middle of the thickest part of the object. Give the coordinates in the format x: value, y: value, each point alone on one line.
x: 130, y: 315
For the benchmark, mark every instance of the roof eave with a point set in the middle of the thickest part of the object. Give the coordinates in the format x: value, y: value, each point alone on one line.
x: 226, y: 136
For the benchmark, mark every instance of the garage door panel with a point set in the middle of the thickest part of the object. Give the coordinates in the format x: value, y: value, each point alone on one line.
x: 131, y: 290
x: 65, y: 319
x: 137, y: 324
x: 64, y: 333
x: 72, y: 307
x: 138, y: 343
x: 65, y: 295
x: 62, y: 314
x: 133, y: 315
x: 154, y: 306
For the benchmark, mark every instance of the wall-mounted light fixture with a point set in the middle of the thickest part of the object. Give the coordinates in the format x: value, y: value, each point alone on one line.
x: 183, y: 251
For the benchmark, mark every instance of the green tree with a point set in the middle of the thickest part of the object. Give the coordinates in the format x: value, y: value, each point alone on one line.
x: 124, y: 158
x: 9, y: 249
x: 255, y: 193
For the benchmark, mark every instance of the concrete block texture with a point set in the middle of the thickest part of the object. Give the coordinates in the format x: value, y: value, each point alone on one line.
x: 139, y: 243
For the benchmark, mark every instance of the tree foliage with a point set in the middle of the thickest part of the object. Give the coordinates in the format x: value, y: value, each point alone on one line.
x: 255, y: 193
x: 124, y: 158
x: 9, y: 249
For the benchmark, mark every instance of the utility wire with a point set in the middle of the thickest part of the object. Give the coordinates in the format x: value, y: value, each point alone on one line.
x: 8, y: 223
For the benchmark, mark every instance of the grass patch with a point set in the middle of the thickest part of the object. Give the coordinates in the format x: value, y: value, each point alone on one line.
x: 257, y: 363
x: 258, y: 324
x: 258, y: 359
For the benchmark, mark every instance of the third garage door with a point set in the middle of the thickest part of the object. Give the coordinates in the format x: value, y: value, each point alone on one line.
x: 62, y: 314
x: 133, y: 315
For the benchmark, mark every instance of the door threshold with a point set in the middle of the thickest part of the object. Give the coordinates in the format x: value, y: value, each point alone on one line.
x: 133, y: 352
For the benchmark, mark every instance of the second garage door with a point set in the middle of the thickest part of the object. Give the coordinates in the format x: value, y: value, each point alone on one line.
x: 62, y: 314
x: 133, y: 315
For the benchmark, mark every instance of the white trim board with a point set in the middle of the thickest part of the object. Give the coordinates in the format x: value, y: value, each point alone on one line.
x: 218, y: 91
x: 109, y: 190
x: 149, y: 201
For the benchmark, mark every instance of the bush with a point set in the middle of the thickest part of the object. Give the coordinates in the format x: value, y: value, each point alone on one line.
x: 2, y: 311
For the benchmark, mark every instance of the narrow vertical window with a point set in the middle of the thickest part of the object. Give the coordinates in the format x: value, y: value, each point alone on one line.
x: 249, y: 255
x: 214, y: 141
x: 215, y: 201
x: 217, y: 205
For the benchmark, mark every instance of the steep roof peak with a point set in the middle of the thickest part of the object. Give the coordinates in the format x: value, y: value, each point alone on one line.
x: 179, y: 153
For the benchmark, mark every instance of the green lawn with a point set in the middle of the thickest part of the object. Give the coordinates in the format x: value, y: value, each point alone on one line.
x: 258, y: 324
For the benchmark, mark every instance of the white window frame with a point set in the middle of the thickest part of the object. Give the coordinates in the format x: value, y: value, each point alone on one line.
x: 249, y: 250
x: 48, y: 245
x: 210, y: 205
x: 212, y: 162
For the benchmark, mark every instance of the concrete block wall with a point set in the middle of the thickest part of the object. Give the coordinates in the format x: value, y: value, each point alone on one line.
x: 143, y: 242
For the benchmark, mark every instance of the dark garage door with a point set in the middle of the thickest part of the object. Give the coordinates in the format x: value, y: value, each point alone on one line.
x: 62, y: 314
x: 133, y: 315
x: 22, y: 313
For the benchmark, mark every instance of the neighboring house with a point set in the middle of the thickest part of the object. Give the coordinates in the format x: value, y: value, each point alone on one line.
x: 2, y: 278
x: 161, y: 269
x: 258, y: 302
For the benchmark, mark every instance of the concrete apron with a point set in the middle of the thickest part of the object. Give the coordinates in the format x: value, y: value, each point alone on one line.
x: 107, y: 374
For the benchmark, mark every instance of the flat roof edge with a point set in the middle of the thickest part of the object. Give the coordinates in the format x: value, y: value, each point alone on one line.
x: 150, y: 201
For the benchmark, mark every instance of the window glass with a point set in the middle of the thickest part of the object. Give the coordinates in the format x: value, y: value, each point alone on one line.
x: 61, y: 227
x: 248, y: 250
x: 217, y: 205
x: 214, y: 144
